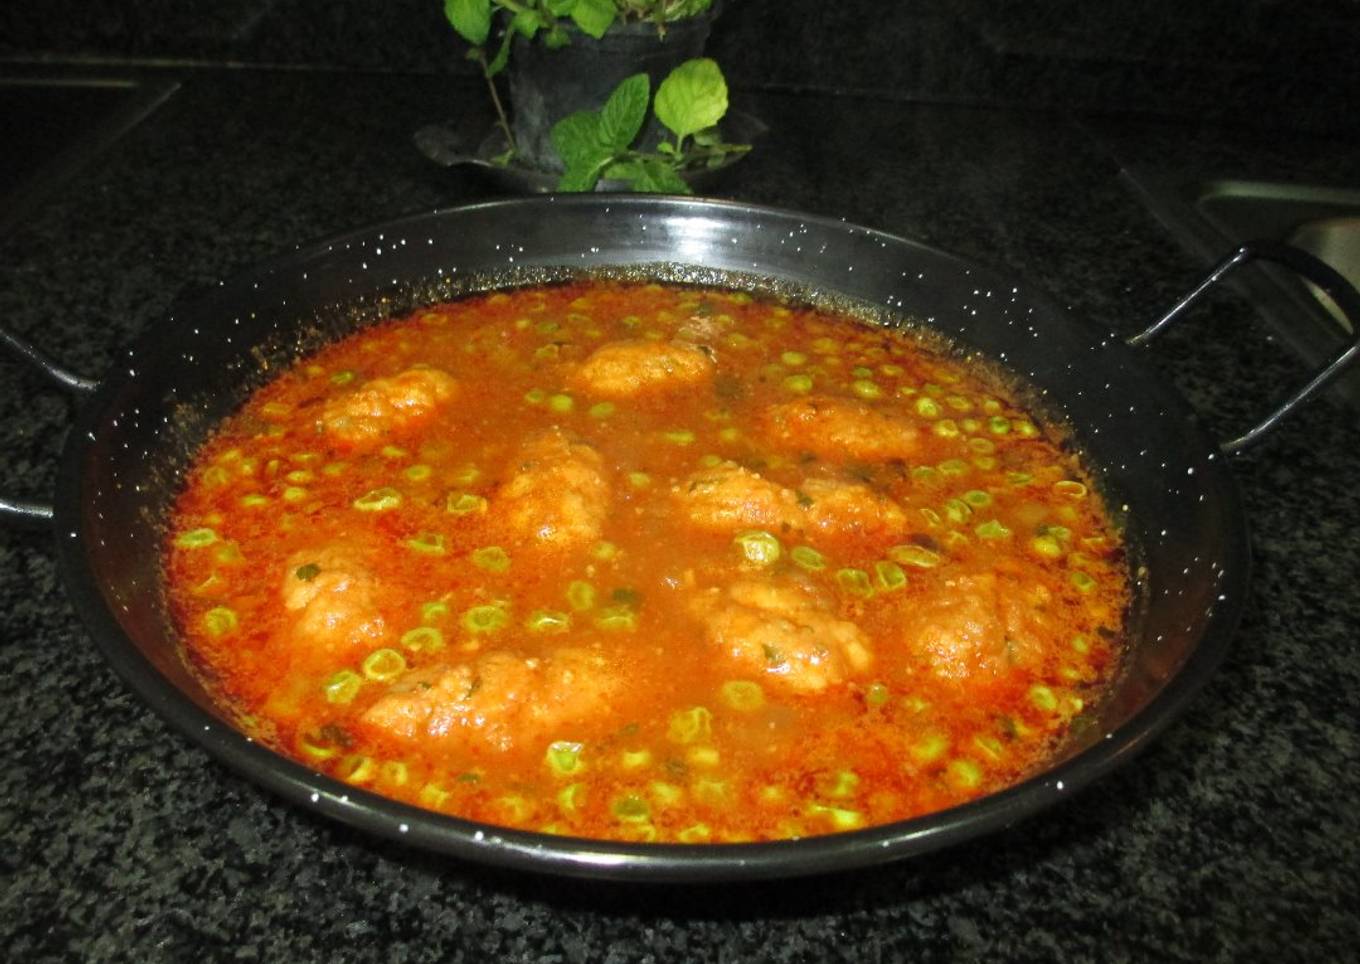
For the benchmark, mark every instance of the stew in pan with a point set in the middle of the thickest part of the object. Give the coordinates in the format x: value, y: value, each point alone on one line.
x: 648, y: 562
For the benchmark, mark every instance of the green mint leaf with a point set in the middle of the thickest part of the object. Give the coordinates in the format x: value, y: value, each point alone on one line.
x: 579, y: 179
x: 308, y: 572
x: 502, y: 55
x: 622, y: 115
x: 660, y: 177
x: 556, y: 38
x: 628, y: 171
x: 708, y: 137
x: 692, y: 97
x: 594, y: 17
x: 576, y: 138
x: 560, y: 8
x: 471, y: 18
x: 527, y: 23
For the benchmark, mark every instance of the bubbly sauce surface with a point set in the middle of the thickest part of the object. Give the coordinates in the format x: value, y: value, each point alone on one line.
x: 648, y: 563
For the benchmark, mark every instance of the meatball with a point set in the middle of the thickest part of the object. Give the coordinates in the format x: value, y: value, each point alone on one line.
x: 847, y: 510
x: 498, y: 701
x: 626, y: 369
x: 975, y: 626
x: 386, y: 406
x: 729, y: 496
x: 559, y: 496
x: 332, y: 594
x: 784, y: 632
x: 840, y: 428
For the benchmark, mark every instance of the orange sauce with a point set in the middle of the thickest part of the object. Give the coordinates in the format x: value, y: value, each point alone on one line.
x: 648, y: 563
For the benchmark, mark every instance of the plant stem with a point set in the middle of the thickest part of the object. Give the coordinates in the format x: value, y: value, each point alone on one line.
x: 501, y: 119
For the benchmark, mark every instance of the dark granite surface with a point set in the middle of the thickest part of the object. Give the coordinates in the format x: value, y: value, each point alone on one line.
x: 1235, y: 837
x: 1253, y: 61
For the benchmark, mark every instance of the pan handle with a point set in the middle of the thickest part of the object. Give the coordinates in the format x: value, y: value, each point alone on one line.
x: 1305, y: 265
x: 26, y: 513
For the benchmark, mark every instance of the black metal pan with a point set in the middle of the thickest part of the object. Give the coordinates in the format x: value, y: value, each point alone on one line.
x: 137, y: 427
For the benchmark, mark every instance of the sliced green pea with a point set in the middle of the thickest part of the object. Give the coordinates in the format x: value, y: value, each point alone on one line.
x: 464, y: 503
x: 564, y: 758
x: 929, y: 748
x: 758, y: 547
x: 742, y: 695
x: 616, y: 618
x: 195, y: 538
x: 1082, y: 581
x: 1046, y: 546
x: 890, y: 575
x: 1043, y: 698
x: 1073, y: 490
x: 384, y: 664
x: 343, y: 686
x: 690, y: 726
x: 855, y: 581
x: 697, y: 833
x: 806, y: 557
x: 548, y: 621
x: 914, y: 555
x: 485, y: 619
x: 800, y: 383
x: 427, y: 543
x: 465, y: 475
x: 378, y: 500
x: 580, y: 595
x: 840, y: 817
x: 957, y: 511
x: 431, y: 611
x: 964, y: 773
x: 631, y: 808
x: 572, y: 797
x: 219, y: 621
x: 423, y: 639
x: 491, y: 559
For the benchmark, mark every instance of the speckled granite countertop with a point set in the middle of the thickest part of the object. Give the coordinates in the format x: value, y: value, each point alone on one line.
x: 1235, y: 837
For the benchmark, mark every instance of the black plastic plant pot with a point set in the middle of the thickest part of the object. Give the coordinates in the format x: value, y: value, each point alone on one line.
x: 1170, y: 483
x: 547, y: 85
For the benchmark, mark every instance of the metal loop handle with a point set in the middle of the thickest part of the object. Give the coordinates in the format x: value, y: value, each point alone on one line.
x: 1306, y: 265
x: 26, y: 513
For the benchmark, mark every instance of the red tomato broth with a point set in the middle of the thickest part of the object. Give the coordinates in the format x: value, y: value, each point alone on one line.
x: 990, y: 505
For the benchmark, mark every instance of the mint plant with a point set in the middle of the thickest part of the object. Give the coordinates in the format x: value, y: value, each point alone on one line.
x: 599, y: 144
x: 474, y: 20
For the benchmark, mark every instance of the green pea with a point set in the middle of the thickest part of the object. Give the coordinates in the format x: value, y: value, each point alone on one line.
x: 759, y: 547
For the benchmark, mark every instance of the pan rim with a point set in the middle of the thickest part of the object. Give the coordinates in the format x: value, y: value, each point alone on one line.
x: 531, y: 851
